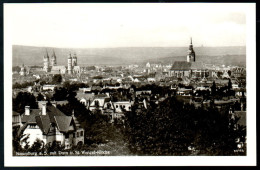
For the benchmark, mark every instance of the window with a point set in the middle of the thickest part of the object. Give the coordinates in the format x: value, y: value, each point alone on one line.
x: 116, y: 106
x: 66, y: 135
x: 77, y: 134
x: 81, y: 133
x: 32, y: 126
x: 96, y: 103
x: 73, y: 135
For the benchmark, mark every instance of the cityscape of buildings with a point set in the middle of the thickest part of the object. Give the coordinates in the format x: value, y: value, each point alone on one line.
x: 114, y: 91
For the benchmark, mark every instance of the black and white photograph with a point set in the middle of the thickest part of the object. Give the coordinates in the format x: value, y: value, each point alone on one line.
x: 155, y: 83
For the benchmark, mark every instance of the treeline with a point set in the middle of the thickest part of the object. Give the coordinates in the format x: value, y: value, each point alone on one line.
x: 22, y: 85
x: 174, y: 128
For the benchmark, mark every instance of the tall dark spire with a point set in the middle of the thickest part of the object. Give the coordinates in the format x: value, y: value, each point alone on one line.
x: 53, y: 58
x: 47, y: 55
x: 191, y: 53
x: 53, y: 54
x: 191, y: 46
x: 69, y: 55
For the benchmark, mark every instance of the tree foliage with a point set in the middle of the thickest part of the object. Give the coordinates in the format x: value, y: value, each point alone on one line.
x: 172, y: 128
x: 60, y: 94
x: 24, y: 99
x: 40, y: 97
x: 57, y: 79
x: 22, y: 85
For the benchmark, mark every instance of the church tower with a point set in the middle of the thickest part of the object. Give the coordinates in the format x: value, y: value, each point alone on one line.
x: 191, y: 53
x: 22, y: 72
x: 74, y: 60
x: 46, y: 62
x: 69, y: 64
x: 53, y: 59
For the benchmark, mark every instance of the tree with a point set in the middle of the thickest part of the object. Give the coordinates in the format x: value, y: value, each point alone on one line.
x: 229, y: 84
x: 24, y: 99
x: 16, y: 140
x: 22, y: 85
x: 229, y: 72
x: 57, y: 79
x: 55, y: 146
x: 213, y: 88
x: 173, y: 126
x: 40, y: 97
x: 60, y: 94
x: 36, y: 146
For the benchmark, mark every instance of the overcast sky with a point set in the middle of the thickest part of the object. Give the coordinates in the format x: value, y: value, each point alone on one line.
x: 126, y: 25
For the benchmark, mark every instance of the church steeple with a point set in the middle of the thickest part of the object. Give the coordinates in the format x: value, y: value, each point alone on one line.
x: 46, y: 62
x: 47, y: 55
x: 191, y: 53
x: 53, y: 59
x: 53, y: 54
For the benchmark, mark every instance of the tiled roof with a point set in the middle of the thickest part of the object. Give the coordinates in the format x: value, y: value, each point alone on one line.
x: 181, y: 65
x: 57, y: 68
x: 101, y: 96
x: 63, y: 122
x: 15, y: 113
x: 197, y: 65
x: 31, y: 118
x: 44, y: 123
x: 96, y: 88
x: 53, y: 115
x: 184, y: 65
x: 86, y: 96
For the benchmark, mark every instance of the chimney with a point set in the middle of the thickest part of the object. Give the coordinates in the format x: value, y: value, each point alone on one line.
x: 54, y: 103
x: 27, y: 110
x: 44, y: 106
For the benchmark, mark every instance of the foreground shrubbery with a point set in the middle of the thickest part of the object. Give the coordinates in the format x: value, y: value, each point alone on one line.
x: 177, y: 129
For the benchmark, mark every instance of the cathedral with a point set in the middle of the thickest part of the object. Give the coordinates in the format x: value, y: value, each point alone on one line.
x: 50, y: 64
x: 190, y: 68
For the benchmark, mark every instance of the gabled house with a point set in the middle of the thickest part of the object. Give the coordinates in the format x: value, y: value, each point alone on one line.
x: 85, y: 98
x: 120, y: 106
x: 99, y: 102
x: 50, y: 124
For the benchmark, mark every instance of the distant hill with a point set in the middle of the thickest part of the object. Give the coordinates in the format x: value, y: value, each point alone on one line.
x: 30, y: 55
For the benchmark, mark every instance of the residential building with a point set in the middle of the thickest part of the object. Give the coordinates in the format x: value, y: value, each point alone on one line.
x: 50, y: 124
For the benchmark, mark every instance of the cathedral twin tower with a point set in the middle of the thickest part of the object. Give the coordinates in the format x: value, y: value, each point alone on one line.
x: 72, y: 61
x: 50, y: 63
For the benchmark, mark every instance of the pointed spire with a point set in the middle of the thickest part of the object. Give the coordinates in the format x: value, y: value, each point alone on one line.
x: 69, y: 55
x: 47, y: 53
x: 190, y: 40
x: 74, y: 56
x: 53, y: 53
x: 72, y: 113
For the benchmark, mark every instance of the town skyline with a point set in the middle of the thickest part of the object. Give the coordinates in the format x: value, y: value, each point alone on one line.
x: 129, y: 79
